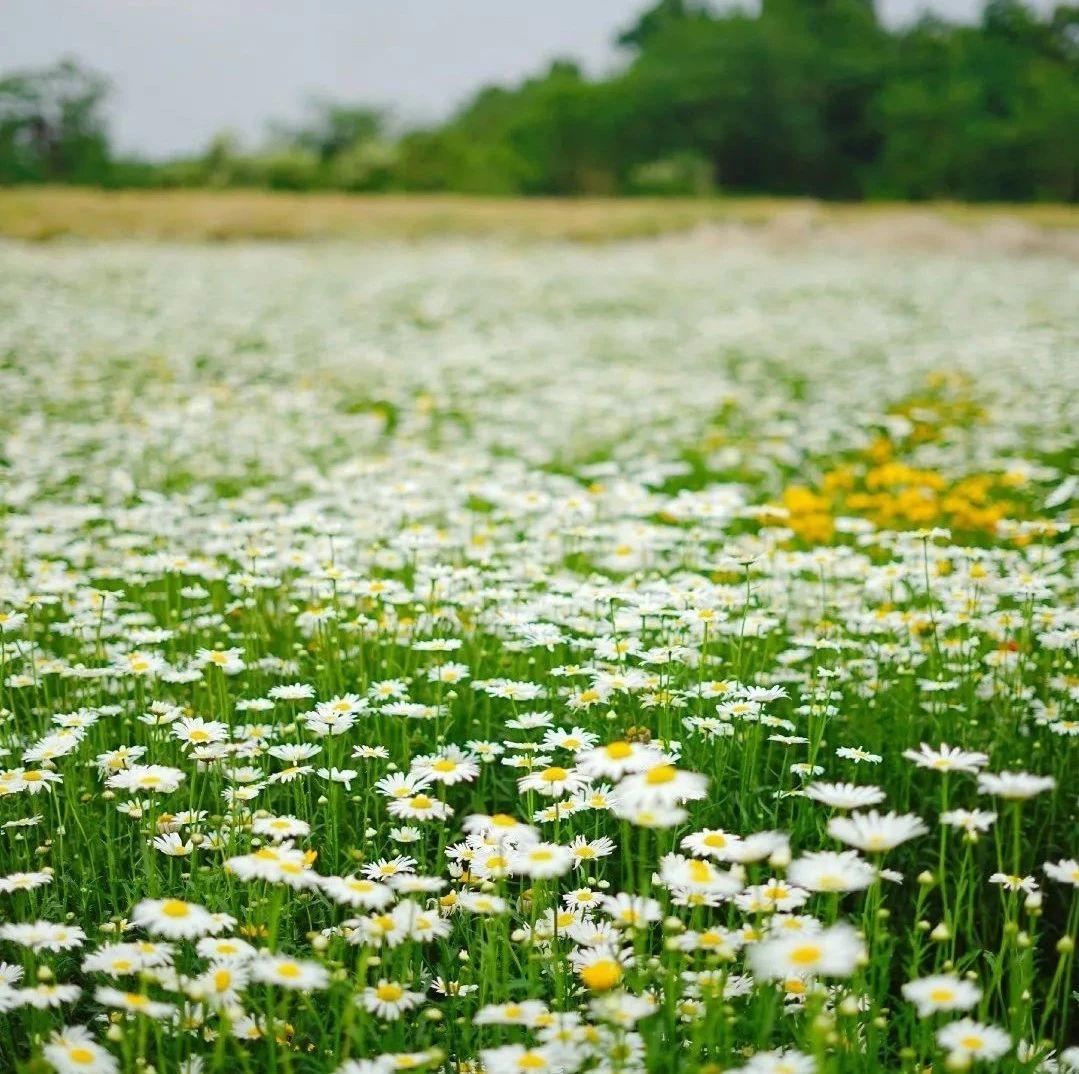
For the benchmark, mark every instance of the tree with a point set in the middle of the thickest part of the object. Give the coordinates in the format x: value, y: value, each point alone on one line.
x: 52, y: 125
x: 332, y: 128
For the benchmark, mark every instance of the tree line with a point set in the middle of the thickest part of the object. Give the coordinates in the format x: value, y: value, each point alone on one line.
x: 809, y: 97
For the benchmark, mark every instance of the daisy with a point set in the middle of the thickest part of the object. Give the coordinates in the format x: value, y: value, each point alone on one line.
x: 552, y: 782
x: 946, y: 758
x: 1014, y: 786
x: 338, y: 775
x: 419, y: 807
x: 295, y: 974
x: 147, y: 778
x: 662, y: 785
x: 631, y: 911
x: 389, y: 1000
x: 781, y: 1061
x: 711, y: 843
x: 402, y: 786
x: 47, y: 996
x: 178, y: 920
x: 844, y: 795
x: 32, y: 781
x: 72, y: 1049
x: 974, y: 1040
x: 357, y: 891
x: 419, y: 924
x: 852, y: 753
x: 25, y: 881
x: 1012, y: 882
x: 478, y: 903
x: 134, y: 1002
x: 124, y: 959
x: 541, y: 860
x: 195, y: 731
x: 518, y: 1059
x: 449, y: 767
x: 378, y: 929
x: 942, y: 992
x: 827, y: 870
x: 283, y: 827
x: 1066, y: 871
x: 222, y: 983
x: 832, y: 952
x: 616, y: 760
x: 230, y: 661
x: 970, y: 820
x: 696, y: 874
x: 758, y: 846
x: 384, y: 868
x: 586, y: 850
x: 295, y: 752
x: 43, y: 935
x: 172, y: 845
x: 874, y: 832
x: 225, y: 949
x: 774, y: 894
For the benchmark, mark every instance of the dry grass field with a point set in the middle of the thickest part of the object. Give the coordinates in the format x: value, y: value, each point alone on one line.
x: 40, y: 214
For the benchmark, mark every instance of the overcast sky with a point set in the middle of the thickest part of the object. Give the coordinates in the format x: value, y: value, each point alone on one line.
x: 184, y: 69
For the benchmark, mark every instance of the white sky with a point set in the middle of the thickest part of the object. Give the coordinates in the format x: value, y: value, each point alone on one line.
x: 183, y: 70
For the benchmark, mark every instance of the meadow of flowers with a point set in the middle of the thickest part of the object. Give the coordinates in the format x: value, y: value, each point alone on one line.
x: 470, y: 657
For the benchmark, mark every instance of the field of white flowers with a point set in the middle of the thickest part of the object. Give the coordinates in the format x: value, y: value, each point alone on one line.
x: 470, y: 657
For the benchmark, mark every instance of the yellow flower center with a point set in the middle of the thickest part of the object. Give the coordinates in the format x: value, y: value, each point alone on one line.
x: 602, y: 975
x: 806, y: 955
x: 700, y: 872
x: 663, y: 773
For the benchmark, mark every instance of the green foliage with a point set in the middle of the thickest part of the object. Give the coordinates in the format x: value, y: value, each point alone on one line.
x: 809, y: 97
x: 51, y: 125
